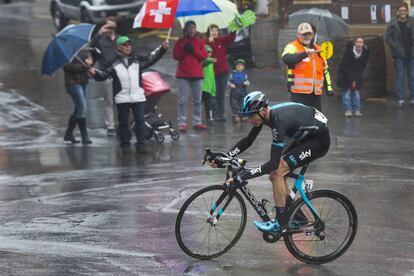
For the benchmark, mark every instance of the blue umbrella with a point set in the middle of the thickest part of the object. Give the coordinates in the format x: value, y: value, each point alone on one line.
x: 195, y: 7
x: 65, y: 45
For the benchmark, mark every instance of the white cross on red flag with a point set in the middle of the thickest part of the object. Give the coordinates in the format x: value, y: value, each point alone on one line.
x: 156, y: 14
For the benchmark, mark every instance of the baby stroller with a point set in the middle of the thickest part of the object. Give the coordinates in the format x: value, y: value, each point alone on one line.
x: 155, y: 87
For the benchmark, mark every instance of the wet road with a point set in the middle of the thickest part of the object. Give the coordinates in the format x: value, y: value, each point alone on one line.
x: 68, y: 210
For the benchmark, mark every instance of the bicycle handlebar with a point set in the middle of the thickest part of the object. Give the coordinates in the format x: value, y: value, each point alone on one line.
x: 224, y: 161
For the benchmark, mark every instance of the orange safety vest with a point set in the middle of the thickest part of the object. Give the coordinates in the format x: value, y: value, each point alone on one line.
x: 306, y: 76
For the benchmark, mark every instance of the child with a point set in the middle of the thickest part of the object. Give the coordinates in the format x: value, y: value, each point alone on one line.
x: 238, y: 82
x: 209, y: 84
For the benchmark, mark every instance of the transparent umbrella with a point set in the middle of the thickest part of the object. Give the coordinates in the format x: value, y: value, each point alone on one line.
x: 327, y: 24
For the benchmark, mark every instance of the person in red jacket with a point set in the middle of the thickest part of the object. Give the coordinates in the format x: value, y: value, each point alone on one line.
x: 189, y: 51
x: 221, y: 68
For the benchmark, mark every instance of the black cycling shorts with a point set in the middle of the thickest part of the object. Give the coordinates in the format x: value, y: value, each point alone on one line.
x: 308, y: 149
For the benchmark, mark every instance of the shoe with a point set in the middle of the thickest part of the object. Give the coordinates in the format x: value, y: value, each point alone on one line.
x: 182, y: 127
x: 221, y: 119
x: 358, y: 114
x: 125, y: 148
x: 400, y: 103
x: 210, y: 122
x: 141, y: 149
x: 200, y: 126
x: 111, y: 132
x: 84, y: 131
x: 348, y: 114
x: 69, y: 131
x: 125, y: 145
x: 236, y: 119
x: 267, y: 226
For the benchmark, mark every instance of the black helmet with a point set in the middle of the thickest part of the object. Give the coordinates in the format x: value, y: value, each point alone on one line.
x: 253, y: 103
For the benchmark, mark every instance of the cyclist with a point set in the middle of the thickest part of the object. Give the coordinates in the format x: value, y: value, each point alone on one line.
x: 306, y: 125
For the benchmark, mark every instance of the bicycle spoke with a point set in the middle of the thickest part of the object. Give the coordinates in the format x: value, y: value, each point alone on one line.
x: 194, y: 231
x: 218, y: 241
x: 320, y: 242
x: 224, y: 236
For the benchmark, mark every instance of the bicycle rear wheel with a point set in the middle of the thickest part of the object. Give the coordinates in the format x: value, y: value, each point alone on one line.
x: 203, y: 235
x: 318, y: 242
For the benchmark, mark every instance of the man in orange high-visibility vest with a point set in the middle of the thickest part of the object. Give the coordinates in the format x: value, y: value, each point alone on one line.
x: 307, y: 71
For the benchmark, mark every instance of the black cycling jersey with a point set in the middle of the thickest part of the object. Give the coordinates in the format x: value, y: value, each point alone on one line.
x: 287, y: 119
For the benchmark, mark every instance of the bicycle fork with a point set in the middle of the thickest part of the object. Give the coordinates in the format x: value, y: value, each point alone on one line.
x: 219, y: 207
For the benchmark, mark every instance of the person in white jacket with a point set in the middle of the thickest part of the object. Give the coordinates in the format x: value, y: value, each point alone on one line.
x: 127, y: 88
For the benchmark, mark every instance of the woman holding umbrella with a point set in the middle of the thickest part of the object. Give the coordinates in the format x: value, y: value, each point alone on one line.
x: 77, y: 75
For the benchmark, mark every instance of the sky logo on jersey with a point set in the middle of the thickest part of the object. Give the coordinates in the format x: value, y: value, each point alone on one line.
x: 234, y: 152
x: 274, y: 134
x: 305, y: 154
x: 293, y: 160
x: 256, y: 170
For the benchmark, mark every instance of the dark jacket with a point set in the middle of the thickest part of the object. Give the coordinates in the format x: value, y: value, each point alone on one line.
x: 394, y: 39
x: 127, y: 77
x: 351, y: 68
x: 107, y: 50
x: 189, y: 63
x: 75, y: 71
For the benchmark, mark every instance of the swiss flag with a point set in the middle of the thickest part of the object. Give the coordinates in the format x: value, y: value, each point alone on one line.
x: 157, y: 14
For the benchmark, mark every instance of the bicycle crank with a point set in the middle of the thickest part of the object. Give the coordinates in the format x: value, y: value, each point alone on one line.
x: 272, y: 237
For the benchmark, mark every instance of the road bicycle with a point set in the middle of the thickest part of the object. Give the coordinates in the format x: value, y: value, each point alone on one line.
x: 320, y: 225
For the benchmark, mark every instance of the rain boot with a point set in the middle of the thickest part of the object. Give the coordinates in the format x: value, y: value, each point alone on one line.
x: 84, y: 131
x: 69, y: 131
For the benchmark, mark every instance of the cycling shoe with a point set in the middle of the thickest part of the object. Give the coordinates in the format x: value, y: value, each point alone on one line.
x: 267, y: 226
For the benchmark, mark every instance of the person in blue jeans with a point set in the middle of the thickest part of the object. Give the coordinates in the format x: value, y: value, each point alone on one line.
x: 77, y: 75
x: 351, y: 68
x: 127, y: 89
x: 399, y: 36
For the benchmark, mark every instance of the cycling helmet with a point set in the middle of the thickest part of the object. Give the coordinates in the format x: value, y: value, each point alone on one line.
x: 253, y: 103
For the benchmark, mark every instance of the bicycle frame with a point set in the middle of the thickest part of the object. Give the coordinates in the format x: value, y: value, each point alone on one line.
x: 259, y: 206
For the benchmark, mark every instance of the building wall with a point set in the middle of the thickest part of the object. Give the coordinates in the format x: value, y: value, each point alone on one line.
x: 359, y: 10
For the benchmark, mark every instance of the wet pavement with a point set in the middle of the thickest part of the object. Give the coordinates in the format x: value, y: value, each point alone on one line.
x: 68, y: 210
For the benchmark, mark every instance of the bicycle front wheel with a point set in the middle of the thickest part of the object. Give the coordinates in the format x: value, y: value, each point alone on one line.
x: 316, y: 241
x: 205, y: 234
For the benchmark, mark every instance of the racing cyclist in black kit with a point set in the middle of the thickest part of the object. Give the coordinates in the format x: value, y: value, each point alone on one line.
x: 306, y: 125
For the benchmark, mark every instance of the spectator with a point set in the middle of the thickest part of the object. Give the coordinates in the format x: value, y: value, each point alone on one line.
x: 127, y: 89
x: 189, y: 51
x: 399, y: 36
x: 105, y: 44
x: 77, y: 75
x: 209, y: 84
x: 352, y: 66
x: 220, y: 44
x: 238, y: 82
x: 307, y: 71
x: 221, y: 68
